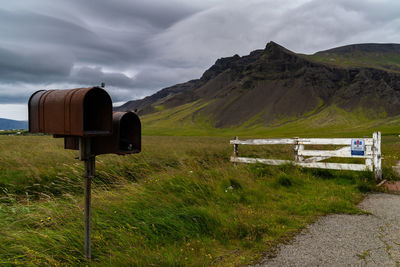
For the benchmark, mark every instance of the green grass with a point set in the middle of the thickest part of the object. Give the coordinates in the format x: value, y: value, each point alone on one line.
x: 380, y: 60
x: 331, y: 121
x: 179, y: 202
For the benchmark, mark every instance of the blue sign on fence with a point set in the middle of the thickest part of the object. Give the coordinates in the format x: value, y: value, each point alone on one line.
x: 357, y: 147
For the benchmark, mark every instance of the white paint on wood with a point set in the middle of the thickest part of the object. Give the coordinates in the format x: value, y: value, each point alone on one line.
x: 330, y: 141
x: 236, y: 148
x: 369, y: 163
x: 315, y: 159
x: 368, y: 150
x: 258, y: 160
x: 300, y: 157
x: 297, y: 149
x: 334, y: 166
x: 372, y: 155
x: 344, y: 152
x: 320, y: 165
x: 286, y: 141
x: 377, y: 157
x: 301, y: 141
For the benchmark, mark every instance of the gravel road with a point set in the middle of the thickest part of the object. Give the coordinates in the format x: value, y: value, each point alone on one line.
x: 348, y: 240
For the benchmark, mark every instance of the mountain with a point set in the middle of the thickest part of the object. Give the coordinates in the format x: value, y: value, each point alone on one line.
x: 275, y: 86
x: 6, y: 124
x: 380, y: 56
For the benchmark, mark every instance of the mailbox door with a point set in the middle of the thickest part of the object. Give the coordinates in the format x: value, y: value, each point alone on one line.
x: 130, y: 136
x: 126, y: 137
x: 33, y: 111
x: 97, y: 113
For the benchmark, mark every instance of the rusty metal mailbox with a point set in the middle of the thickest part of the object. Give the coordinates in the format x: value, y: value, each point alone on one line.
x: 126, y: 137
x: 75, y: 112
x: 85, y: 119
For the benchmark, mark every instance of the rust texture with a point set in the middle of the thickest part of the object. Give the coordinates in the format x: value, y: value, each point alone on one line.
x: 74, y: 112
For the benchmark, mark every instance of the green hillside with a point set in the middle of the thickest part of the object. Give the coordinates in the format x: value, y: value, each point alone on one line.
x: 384, y: 61
x: 380, y: 56
x: 331, y: 121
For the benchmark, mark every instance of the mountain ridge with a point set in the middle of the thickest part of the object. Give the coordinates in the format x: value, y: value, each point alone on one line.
x: 270, y: 84
x: 7, y: 124
x: 366, y: 47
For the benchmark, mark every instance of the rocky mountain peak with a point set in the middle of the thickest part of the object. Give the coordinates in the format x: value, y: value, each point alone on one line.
x: 275, y: 51
x: 276, y: 83
x: 219, y: 66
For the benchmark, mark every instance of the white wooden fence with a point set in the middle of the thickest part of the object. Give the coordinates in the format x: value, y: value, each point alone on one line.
x: 311, y: 158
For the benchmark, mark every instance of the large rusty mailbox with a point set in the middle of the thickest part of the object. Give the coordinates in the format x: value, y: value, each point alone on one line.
x: 76, y: 112
x: 126, y: 137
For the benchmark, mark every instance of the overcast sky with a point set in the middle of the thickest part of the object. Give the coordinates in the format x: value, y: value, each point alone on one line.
x: 138, y: 47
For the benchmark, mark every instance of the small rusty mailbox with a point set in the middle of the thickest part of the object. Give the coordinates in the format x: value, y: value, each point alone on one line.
x: 75, y: 112
x: 126, y: 137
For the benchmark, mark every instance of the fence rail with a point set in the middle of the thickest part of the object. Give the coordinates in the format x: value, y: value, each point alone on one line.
x: 311, y: 158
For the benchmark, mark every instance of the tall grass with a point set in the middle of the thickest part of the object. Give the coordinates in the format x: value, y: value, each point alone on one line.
x: 179, y: 202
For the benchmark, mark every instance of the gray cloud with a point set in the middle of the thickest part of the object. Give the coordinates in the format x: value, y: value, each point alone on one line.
x: 139, y: 47
x: 86, y: 75
x: 36, y: 67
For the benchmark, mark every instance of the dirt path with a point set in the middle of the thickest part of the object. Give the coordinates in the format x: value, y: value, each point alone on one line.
x: 348, y: 240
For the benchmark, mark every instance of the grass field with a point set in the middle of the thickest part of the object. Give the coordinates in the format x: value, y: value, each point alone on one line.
x: 179, y: 202
x: 331, y: 121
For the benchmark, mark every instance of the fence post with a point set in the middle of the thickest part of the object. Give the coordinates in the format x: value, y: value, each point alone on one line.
x: 369, y: 162
x: 377, y: 157
x: 236, y: 148
x: 301, y: 148
x: 297, y: 148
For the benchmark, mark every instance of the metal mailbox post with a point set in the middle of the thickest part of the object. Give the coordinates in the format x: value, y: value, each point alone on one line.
x: 85, y: 119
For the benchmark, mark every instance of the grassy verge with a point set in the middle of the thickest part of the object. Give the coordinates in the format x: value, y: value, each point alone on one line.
x: 180, y: 202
